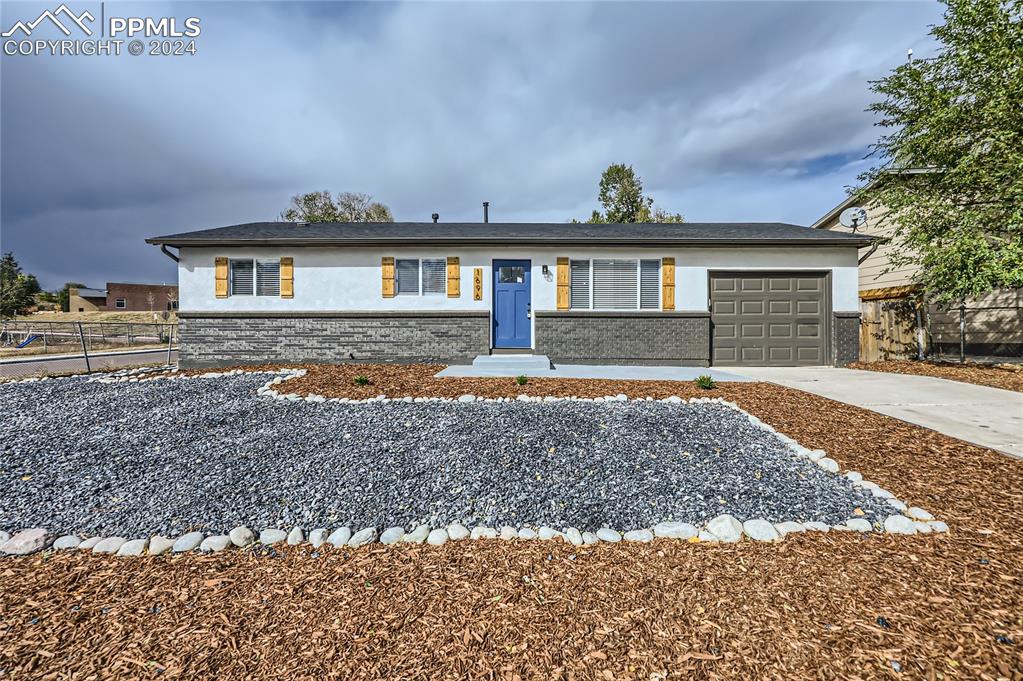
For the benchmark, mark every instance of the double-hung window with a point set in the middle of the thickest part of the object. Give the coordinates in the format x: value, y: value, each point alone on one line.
x: 268, y: 277
x: 255, y: 277
x: 614, y: 284
x: 579, y: 285
x: 414, y: 277
x: 649, y: 284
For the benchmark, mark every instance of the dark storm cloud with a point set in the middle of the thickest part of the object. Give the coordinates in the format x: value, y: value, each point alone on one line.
x: 84, y: 148
x: 727, y: 110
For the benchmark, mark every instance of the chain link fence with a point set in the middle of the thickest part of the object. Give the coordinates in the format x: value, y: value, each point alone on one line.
x: 977, y: 332
x: 54, y: 348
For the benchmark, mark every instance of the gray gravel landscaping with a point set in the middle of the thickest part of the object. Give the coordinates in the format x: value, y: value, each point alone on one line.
x: 134, y: 459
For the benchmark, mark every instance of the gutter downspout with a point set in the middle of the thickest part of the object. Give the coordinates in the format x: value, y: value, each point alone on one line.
x: 163, y: 249
x: 869, y: 253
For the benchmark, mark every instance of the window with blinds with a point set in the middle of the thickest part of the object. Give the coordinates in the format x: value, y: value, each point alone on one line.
x: 406, y: 277
x: 268, y: 277
x: 649, y: 284
x: 428, y: 277
x: 615, y: 284
x: 241, y: 278
x: 435, y: 277
x: 579, y: 285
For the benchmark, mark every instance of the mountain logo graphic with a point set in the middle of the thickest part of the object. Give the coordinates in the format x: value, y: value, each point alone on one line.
x: 77, y: 20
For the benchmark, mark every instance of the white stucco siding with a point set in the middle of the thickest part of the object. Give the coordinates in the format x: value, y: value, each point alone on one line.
x: 336, y: 279
x: 693, y: 265
x: 349, y: 279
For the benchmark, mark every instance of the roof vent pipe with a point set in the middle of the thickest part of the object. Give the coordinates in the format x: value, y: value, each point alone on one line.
x: 486, y: 211
x: 435, y: 216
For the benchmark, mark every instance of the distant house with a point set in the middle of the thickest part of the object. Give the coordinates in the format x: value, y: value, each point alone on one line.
x: 993, y: 323
x: 693, y: 294
x: 125, y: 297
x: 86, y: 299
x: 142, y: 297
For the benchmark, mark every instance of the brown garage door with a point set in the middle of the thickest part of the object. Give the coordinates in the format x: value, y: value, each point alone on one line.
x: 769, y: 319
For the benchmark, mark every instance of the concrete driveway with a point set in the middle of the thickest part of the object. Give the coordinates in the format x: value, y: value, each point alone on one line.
x: 985, y: 416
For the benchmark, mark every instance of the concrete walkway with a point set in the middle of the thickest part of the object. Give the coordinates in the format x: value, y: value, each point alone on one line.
x: 989, y: 417
x: 619, y: 373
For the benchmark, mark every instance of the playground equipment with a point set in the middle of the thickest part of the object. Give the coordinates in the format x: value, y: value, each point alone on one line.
x: 30, y: 339
x: 10, y: 336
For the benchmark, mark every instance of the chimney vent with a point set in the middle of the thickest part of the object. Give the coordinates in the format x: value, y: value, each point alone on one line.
x: 486, y: 211
x: 435, y: 216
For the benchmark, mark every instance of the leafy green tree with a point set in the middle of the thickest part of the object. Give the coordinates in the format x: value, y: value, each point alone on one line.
x: 17, y: 289
x: 64, y: 296
x: 653, y: 213
x: 621, y: 195
x: 950, y: 167
x: 345, y: 207
x: 32, y: 285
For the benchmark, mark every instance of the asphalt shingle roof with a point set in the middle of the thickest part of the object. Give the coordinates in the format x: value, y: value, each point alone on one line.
x: 374, y: 233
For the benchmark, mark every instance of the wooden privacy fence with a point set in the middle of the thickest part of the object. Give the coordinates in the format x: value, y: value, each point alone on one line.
x: 891, y: 328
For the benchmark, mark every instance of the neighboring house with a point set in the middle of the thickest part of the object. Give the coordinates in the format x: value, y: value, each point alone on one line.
x: 124, y: 297
x: 142, y: 297
x: 690, y: 294
x: 993, y: 323
x: 86, y: 299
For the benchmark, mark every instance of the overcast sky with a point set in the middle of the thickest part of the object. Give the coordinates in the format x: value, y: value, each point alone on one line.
x: 728, y: 111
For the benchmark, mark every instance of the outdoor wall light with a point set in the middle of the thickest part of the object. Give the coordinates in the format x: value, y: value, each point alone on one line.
x: 547, y: 272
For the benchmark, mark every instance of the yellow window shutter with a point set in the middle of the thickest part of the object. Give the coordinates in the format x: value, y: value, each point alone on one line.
x: 221, y: 277
x: 563, y: 280
x: 454, y: 277
x: 287, y: 277
x: 668, y: 283
x: 387, y: 276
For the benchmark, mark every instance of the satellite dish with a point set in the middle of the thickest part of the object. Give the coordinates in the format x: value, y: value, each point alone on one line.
x: 853, y: 218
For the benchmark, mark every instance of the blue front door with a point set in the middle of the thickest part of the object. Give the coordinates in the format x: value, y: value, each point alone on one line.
x: 512, y: 304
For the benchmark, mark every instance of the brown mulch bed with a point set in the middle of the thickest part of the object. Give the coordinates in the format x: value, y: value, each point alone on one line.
x: 814, y: 606
x: 418, y: 380
x: 1004, y: 376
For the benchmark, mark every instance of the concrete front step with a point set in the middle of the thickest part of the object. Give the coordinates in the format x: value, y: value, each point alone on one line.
x: 523, y: 363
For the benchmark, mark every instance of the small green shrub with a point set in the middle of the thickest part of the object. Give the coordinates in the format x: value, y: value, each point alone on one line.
x: 522, y: 380
x: 705, y: 382
x: 362, y: 380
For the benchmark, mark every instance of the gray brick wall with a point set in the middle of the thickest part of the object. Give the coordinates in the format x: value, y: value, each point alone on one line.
x: 845, y: 337
x: 670, y: 338
x: 212, y: 340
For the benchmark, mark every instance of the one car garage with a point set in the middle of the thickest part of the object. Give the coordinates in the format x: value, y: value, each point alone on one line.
x: 769, y: 318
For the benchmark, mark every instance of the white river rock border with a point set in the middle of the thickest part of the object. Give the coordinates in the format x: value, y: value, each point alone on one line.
x: 905, y: 519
